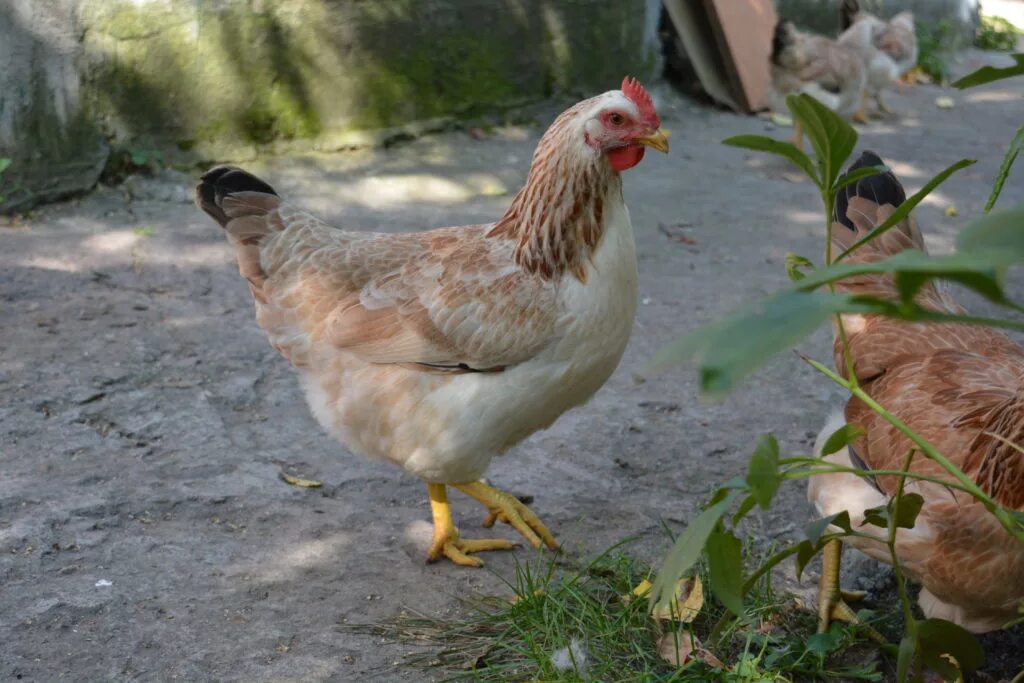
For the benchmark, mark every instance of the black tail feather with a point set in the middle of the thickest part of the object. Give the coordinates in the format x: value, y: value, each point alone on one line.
x: 848, y: 11
x: 781, y: 39
x: 881, y: 188
x: 222, y: 181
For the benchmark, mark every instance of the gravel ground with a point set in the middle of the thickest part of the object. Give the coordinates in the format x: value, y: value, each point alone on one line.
x: 145, y: 532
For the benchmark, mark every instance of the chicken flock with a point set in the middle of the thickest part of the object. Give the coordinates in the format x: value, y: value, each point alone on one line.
x: 441, y: 349
x: 869, y: 56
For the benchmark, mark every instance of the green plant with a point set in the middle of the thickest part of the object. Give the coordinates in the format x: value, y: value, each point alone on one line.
x: 990, y: 74
x: 125, y: 161
x: 933, y: 49
x: 4, y: 165
x: 728, y: 350
x: 996, y: 33
x: 554, y: 603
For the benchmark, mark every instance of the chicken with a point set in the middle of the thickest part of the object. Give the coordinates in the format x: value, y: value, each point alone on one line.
x: 438, y: 350
x: 832, y: 73
x: 889, y: 48
x: 961, y: 387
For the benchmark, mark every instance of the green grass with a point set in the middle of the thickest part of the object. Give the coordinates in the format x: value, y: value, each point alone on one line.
x: 557, y: 604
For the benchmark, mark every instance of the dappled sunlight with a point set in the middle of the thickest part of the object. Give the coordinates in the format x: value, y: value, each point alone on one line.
x: 185, y: 321
x: 902, y: 169
x: 387, y: 191
x: 49, y: 263
x: 935, y: 198
x: 196, y: 255
x: 112, y: 241
x: 984, y: 96
x: 805, y: 217
x: 288, y: 562
x: 419, y: 534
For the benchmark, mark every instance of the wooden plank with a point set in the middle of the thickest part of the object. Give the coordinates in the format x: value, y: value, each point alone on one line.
x: 693, y: 25
x: 743, y: 29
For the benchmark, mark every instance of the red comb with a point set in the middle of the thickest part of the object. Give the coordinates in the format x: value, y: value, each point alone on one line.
x: 632, y: 89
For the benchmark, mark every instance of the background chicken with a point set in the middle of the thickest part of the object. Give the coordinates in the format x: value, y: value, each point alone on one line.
x: 438, y: 350
x: 829, y: 71
x: 889, y: 48
x: 958, y: 386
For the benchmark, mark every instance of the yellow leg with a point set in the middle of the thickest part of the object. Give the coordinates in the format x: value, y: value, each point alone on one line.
x: 861, y: 115
x: 881, y: 103
x: 798, y: 135
x: 446, y: 536
x: 507, y: 508
x: 831, y: 599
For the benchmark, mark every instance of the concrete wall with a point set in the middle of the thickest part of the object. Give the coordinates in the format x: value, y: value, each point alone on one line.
x: 823, y: 15
x: 222, y: 79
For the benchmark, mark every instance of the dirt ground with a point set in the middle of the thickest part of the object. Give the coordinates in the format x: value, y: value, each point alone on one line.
x: 145, y: 532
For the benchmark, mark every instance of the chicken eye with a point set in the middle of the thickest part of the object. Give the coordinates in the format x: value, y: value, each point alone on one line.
x: 616, y: 119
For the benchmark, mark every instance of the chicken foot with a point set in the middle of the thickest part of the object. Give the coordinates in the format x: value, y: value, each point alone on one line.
x: 883, y: 109
x: 798, y: 136
x: 832, y: 600
x: 504, y: 507
x: 446, y: 540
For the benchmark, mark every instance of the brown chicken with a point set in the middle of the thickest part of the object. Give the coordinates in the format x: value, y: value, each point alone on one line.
x: 959, y: 386
x: 438, y: 350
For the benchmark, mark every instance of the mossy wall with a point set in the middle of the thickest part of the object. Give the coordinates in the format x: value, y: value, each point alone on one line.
x: 224, y: 78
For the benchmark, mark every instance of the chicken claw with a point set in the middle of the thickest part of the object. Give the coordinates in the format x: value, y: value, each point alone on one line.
x: 832, y: 599
x: 446, y: 540
x: 504, y: 507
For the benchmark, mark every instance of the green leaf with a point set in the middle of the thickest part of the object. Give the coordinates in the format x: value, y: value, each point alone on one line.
x: 816, y: 529
x: 4, y: 164
x: 794, y: 262
x: 787, y: 150
x: 905, y: 659
x: 938, y: 637
x: 805, y: 552
x: 745, y: 507
x: 904, y: 209
x: 841, y: 438
x: 831, y: 136
x: 981, y: 271
x: 858, y: 174
x: 1016, y: 145
x: 997, y: 236
x: 763, y: 474
x: 988, y: 283
x: 909, y: 507
x: 822, y: 644
x: 686, y: 551
x: 728, y: 350
x: 725, y: 569
x: 989, y: 74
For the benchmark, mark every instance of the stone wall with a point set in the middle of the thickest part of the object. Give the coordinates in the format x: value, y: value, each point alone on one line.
x: 222, y: 79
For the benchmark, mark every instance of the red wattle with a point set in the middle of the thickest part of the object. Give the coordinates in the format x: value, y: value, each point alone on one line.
x: 629, y: 156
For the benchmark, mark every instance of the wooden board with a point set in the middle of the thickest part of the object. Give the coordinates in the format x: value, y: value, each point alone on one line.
x: 743, y: 31
x: 691, y: 21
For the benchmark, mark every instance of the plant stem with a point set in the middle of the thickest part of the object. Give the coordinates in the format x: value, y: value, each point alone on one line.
x: 928, y: 450
x: 841, y: 469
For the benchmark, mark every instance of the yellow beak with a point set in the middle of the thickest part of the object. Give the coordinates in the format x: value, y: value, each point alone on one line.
x: 658, y: 140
